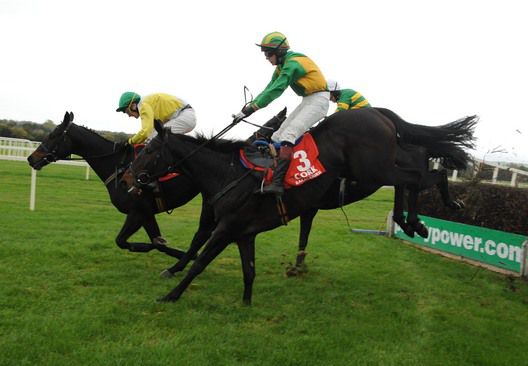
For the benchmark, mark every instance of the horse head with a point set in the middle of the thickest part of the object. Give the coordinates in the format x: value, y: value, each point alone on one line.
x: 55, y: 146
x: 266, y: 130
x: 152, y: 162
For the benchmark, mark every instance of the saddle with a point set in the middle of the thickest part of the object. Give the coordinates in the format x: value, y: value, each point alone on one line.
x: 304, y: 165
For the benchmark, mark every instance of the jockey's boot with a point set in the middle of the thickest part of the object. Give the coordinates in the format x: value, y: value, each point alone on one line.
x: 279, y: 172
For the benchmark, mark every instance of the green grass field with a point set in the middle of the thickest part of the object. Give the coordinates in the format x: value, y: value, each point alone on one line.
x: 70, y: 296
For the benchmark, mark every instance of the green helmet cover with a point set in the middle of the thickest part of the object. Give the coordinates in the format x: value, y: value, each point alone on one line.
x: 127, y: 98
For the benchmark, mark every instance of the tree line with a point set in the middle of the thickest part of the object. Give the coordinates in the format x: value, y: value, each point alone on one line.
x: 38, y: 131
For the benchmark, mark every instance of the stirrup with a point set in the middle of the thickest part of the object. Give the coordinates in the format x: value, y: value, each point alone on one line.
x: 277, y: 191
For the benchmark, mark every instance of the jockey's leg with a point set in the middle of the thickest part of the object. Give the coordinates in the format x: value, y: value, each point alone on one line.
x: 279, y: 171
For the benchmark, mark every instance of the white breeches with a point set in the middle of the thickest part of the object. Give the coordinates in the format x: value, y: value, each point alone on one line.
x: 313, y: 108
x: 182, y: 121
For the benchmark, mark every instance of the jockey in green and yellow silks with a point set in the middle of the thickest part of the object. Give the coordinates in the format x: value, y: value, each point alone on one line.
x: 173, y: 112
x: 346, y: 98
x: 299, y: 72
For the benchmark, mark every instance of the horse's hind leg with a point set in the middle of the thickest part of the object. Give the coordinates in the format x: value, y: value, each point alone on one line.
x: 306, y: 226
x: 397, y: 211
x: 442, y: 183
x: 246, y: 247
x: 413, y: 221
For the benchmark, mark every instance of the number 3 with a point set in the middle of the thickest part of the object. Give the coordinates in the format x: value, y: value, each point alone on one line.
x: 302, y: 156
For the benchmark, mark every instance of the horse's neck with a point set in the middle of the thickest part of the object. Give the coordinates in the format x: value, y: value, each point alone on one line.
x: 211, y: 170
x: 96, y: 151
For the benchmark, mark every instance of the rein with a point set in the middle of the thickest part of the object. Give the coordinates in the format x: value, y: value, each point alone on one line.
x: 205, y: 143
x: 172, y: 165
x: 215, y: 137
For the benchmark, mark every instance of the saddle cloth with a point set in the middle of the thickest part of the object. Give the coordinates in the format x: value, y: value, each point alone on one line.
x: 304, y: 166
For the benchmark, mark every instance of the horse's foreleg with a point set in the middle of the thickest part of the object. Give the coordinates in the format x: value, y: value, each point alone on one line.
x: 133, y: 222
x: 150, y: 224
x: 246, y: 248
x: 215, y: 246
x: 205, y: 228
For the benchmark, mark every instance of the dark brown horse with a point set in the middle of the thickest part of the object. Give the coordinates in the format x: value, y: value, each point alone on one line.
x: 360, y: 145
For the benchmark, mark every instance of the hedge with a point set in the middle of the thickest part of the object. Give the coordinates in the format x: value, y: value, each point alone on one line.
x: 493, y: 206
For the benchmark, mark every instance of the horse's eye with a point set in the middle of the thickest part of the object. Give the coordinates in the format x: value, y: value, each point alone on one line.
x: 143, y: 178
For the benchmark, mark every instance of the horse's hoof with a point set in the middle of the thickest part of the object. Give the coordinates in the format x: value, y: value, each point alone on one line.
x: 166, y: 274
x: 422, y: 231
x: 461, y: 205
x: 166, y: 298
x: 292, y: 271
x: 159, y: 241
x: 409, y: 232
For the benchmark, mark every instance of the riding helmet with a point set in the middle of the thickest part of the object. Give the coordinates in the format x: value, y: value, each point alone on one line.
x: 127, y: 98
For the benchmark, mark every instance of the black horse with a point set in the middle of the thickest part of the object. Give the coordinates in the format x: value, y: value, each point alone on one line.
x: 68, y: 138
x: 109, y: 164
x: 360, y: 145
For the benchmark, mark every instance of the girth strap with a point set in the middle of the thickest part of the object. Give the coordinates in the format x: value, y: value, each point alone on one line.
x: 283, y: 212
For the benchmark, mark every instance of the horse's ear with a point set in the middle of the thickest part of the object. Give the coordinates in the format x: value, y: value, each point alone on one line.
x: 158, y: 126
x: 282, y: 113
x: 68, y: 117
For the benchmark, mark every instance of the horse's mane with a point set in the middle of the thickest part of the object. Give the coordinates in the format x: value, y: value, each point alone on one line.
x: 92, y: 132
x: 219, y: 145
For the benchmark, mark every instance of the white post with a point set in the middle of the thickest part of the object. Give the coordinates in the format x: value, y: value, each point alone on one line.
x: 390, y: 225
x: 514, y: 179
x: 524, y: 259
x: 87, y: 172
x: 454, y: 176
x: 33, y: 189
x: 436, y: 164
x: 495, y: 174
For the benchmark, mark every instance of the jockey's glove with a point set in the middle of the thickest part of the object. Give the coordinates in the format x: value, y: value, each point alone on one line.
x: 246, y: 111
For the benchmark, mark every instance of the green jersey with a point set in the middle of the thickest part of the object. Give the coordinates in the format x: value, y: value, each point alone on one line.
x: 297, y: 71
x: 351, y: 99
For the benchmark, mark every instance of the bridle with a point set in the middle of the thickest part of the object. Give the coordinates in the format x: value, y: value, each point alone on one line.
x: 143, y: 178
x: 52, y: 155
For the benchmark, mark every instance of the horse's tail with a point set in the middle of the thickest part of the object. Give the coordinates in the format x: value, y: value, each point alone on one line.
x: 446, y: 142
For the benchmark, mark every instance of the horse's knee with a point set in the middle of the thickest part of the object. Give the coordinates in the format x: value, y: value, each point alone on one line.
x: 121, y: 243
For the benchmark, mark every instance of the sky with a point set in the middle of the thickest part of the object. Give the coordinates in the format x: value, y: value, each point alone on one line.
x: 431, y: 62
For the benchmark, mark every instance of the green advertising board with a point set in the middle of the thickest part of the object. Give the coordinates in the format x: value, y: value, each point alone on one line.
x: 491, y: 247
